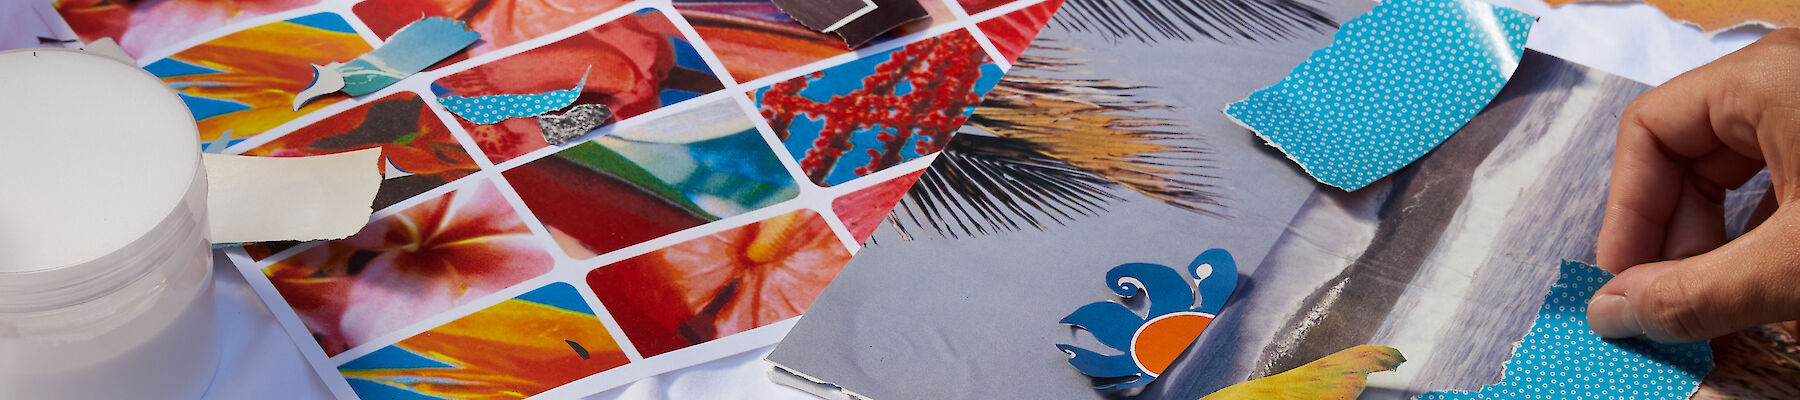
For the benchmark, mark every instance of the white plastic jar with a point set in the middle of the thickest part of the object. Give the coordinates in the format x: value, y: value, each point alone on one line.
x: 105, y: 269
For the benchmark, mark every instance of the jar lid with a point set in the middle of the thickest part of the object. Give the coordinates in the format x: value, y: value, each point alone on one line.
x: 94, y: 154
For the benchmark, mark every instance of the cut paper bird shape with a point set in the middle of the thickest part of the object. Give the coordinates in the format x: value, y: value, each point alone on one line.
x: 410, y: 50
x: 1339, y: 376
x: 1150, y: 342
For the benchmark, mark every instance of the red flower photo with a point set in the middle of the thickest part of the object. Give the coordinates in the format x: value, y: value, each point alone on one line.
x: 400, y: 269
x: 722, y: 284
x: 754, y: 39
x: 501, y: 23
x: 635, y: 64
x: 862, y: 211
x: 1013, y: 32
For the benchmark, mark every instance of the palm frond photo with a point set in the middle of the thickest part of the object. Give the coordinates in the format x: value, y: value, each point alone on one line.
x: 1188, y: 20
x: 1044, y: 149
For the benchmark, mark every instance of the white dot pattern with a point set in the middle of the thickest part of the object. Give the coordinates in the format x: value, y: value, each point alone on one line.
x: 1561, y: 358
x: 491, y: 109
x: 1393, y: 84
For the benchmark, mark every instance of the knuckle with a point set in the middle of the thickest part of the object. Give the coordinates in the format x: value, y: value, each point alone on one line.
x: 1672, y: 307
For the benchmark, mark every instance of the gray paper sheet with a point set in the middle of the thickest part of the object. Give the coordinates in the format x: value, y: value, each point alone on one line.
x: 975, y: 317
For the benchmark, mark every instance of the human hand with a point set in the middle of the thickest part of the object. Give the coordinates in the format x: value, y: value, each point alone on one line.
x: 1680, y: 147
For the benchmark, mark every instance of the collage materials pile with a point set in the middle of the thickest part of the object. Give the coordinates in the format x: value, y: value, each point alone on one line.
x: 786, y: 106
x: 682, y: 231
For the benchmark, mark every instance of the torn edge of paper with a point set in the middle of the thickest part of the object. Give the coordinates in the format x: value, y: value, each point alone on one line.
x: 1538, y: 363
x: 789, y: 377
x: 260, y: 199
x: 825, y: 17
x: 1291, y: 111
x: 500, y: 107
x: 1717, y: 18
x: 411, y: 49
x: 578, y: 121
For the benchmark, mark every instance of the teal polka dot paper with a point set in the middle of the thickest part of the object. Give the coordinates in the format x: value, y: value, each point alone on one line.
x: 491, y: 109
x: 1393, y: 84
x: 1561, y: 358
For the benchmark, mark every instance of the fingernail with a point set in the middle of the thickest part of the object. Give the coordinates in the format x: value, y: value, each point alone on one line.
x: 1611, y: 317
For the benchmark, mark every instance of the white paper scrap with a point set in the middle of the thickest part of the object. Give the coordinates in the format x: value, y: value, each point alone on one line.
x: 259, y: 199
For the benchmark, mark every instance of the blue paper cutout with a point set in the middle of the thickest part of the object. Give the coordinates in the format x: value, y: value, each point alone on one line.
x: 1561, y: 358
x: 1117, y: 326
x: 1393, y: 84
x: 406, y: 52
x: 491, y: 109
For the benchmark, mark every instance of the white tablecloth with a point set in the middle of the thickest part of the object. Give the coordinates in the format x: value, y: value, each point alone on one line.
x: 261, y: 362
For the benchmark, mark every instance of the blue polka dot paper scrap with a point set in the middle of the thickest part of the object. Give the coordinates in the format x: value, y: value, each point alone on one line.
x: 1394, y: 83
x: 1561, y: 358
x: 491, y: 109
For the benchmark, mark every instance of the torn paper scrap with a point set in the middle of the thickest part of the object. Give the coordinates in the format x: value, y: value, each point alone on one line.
x: 1393, y: 84
x: 1341, y: 375
x: 825, y: 15
x: 1151, y: 342
x: 107, y: 47
x: 260, y: 199
x: 888, y: 14
x: 491, y: 109
x: 559, y: 129
x: 1720, y: 15
x: 1562, y: 358
x: 326, y: 80
x: 410, y: 50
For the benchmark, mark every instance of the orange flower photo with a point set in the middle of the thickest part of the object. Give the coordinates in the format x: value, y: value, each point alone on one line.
x: 242, y: 84
x: 521, y: 347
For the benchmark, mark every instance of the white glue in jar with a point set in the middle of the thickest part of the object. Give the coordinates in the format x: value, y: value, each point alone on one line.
x: 105, y: 268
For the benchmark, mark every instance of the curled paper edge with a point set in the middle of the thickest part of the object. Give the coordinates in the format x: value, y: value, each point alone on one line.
x: 260, y: 199
x: 326, y: 80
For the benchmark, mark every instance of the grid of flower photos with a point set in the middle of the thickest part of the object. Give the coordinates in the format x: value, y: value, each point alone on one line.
x: 745, y: 160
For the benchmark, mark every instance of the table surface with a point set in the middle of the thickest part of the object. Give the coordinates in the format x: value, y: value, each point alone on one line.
x: 260, y: 361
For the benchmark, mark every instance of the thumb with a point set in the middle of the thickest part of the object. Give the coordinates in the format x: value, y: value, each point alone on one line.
x: 1751, y: 281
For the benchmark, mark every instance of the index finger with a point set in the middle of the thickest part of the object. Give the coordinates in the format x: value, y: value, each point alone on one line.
x: 1694, y: 123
